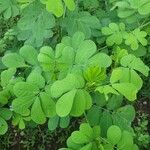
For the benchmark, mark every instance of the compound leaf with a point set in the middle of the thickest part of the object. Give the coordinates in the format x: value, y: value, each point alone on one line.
x: 129, y: 93
x: 35, y: 24
x: 13, y: 60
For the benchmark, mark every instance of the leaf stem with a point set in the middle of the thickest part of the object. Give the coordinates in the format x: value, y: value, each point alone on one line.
x: 144, y: 25
x: 64, y: 12
x: 86, y: 117
x: 102, y: 48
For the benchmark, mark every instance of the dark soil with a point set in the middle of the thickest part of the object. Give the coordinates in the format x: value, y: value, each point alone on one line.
x: 38, y: 138
x: 143, y: 106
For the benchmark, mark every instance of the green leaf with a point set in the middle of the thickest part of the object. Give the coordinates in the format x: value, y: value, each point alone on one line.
x: 36, y: 78
x: 126, y: 75
x: 99, y: 99
x: 94, y: 74
x: 62, y: 86
x: 87, y: 147
x: 25, y: 89
x: 115, y: 102
x: 37, y: 114
x: 129, y: 93
x: 135, y: 63
x: 87, y: 130
x: 136, y: 79
x: 70, y: 4
x: 46, y: 58
x: 115, y: 33
x: 132, y: 39
x: 124, y: 116
x: 77, y: 39
x: 64, y: 122
x: 82, y: 21
x: 48, y: 105
x: 100, y: 59
x: 126, y: 11
x: 5, y: 113
x: 29, y: 54
x: 13, y: 60
x: 21, y: 124
x: 114, y: 134
x: 126, y: 140
x: 4, y: 97
x: 55, y: 6
x: 85, y: 138
x: 65, y: 103
x: 96, y: 131
x: 72, y: 144
x: 20, y: 105
x: 35, y: 24
x: 96, y: 112
x: 116, y: 75
x: 6, y: 76
x: 105, y: 122
x: 53, y: 123
x: 88, y: 100
x: 133, y: 147
x: 9, y: 8
x: 127, y: 112
x: 108, y: 147
x: 129, y: 75
x: 106, y: 89
x: 3, y: 126
x: 118, y: 54
x: 79, y: 137
x: 141, y: 51
x: 90, y: 4
x: 82, y: 101
x: 79, y: 104
x: 85, y: 51
x: 66, y: 61
x: 144, y: 8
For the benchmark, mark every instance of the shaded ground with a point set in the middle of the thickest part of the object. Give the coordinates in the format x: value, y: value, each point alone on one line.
x: 141, y: 124
x: 38, y: 138
x: 43, y: 139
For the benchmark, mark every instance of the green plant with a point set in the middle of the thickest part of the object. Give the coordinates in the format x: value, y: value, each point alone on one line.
x: 57, y: 8
x: 141, y: 131
x: 65, y: 84
x: 88, y: 138
x: 70, y: 59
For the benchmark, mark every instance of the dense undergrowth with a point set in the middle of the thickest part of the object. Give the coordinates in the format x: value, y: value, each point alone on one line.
x: 75, y: 72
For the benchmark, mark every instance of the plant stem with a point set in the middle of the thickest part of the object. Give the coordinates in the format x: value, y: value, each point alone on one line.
x: 86, y: 117
x: 64, y: 12
x: 144, y: 25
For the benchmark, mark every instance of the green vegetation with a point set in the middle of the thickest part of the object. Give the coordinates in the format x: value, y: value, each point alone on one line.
x: 82, y: 61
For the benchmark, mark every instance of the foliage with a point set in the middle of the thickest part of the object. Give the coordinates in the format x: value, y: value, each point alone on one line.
x: 34, y: 29
x: 57, y: 8
x: 128, y: 9
x: 88, y: 138
x: 67, y: 59
x: 9, y: 8
x: 141, y: 131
